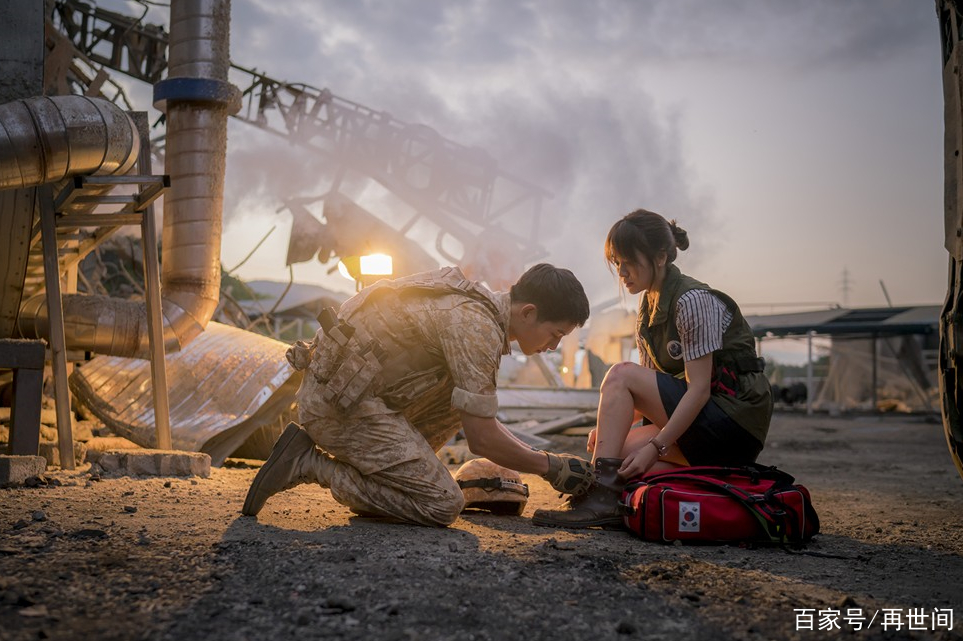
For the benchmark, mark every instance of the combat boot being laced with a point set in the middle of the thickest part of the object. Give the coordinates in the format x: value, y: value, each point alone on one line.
x: 599, y: 507
x: 294, y: 460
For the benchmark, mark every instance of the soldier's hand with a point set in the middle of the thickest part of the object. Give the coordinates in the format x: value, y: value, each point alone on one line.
x: 569, y: 474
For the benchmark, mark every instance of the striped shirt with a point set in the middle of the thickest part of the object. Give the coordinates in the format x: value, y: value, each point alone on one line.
x: 701, y: 319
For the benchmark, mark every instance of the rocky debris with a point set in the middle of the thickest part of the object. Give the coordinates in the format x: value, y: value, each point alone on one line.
x: 82, y: 430
x: 146, y: 462
x: 104, y: 443
x: 185, y: 565
x: 85, y: 431
x: 16, y: 470
x: 88, y: 533
x: 50, y: 451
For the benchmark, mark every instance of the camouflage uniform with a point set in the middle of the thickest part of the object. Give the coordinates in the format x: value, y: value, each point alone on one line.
x: 444, y: 337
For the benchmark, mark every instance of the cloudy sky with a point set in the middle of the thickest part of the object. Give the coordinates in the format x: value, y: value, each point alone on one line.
x: 800, y: 143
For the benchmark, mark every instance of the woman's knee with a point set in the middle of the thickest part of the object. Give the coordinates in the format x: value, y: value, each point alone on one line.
x: 619, y: 376
x: 632, y: 378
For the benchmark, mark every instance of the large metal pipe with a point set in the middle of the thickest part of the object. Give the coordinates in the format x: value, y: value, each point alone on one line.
x: 45, y: 140
x: 197, y: 100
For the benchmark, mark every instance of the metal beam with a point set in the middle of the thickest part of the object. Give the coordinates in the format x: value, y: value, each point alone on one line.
x: 437, y: 177
x: 55, y: 317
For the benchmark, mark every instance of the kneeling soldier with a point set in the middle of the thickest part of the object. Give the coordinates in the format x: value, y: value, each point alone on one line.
x: 395, y: 374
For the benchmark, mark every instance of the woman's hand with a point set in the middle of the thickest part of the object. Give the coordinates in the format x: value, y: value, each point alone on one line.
x: 639, y: 461
x: 590, y: 443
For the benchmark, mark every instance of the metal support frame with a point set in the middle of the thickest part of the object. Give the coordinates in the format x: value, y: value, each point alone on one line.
x: 55, y: 319
x: 137, y: 209
x: 26, y: 359
x: 109, y: 38
x: 152, y: 289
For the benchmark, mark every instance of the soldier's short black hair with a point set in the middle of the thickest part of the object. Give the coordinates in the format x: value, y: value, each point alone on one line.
x: 555, y: 292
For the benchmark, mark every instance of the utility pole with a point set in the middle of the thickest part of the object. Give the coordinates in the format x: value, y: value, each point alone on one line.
x: 845, y: 285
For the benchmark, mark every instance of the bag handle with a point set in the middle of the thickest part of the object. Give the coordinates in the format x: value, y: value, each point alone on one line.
x: 781, y: 480
x: 753, y: 470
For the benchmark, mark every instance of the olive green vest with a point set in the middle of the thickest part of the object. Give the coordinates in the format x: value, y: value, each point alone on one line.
x: 658, y: 336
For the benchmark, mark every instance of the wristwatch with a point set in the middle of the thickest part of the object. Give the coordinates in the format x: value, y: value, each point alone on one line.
x: 662, y: 449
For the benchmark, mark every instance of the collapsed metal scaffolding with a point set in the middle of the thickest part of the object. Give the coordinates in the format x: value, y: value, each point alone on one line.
x: 460, y: 189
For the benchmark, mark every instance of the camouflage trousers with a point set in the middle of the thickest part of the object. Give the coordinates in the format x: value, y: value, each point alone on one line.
x: 385, y: 466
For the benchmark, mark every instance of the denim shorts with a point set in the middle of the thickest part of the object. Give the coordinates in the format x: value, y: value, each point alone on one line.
x: 713, y: 438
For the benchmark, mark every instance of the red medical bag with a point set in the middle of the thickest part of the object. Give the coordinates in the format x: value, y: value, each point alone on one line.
x: 751, y: 504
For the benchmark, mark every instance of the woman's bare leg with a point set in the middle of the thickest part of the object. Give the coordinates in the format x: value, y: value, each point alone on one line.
x: 628, y: 387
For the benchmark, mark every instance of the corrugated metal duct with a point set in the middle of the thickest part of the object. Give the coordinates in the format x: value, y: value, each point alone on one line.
x: 232, y: 388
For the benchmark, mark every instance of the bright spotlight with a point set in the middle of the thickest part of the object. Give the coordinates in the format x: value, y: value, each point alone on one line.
x: 376, y: 265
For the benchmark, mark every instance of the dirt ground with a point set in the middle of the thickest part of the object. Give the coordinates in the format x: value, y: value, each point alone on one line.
x: 172, y: 558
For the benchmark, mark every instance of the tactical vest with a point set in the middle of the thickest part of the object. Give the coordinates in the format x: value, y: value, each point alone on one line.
x: 373, y: 345
x: 739, y: 386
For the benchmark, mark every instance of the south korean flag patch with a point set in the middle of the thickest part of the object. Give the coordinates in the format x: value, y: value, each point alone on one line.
x: 689, y: 512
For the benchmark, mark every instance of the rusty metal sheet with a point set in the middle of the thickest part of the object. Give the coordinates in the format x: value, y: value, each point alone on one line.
x: 225, y: 385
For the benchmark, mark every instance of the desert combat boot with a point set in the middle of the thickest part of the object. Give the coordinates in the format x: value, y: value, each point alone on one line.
x: 599, y: 507
x: 294, y: 460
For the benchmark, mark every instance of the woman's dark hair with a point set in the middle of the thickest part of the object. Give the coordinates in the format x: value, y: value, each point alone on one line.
x: 555, y: 292
x: 647, y: 233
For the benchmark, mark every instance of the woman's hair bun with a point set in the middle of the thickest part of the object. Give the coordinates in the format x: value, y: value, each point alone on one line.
x: 681, y: 236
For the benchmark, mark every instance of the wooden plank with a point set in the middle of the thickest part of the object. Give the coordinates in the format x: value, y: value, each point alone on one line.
x: 518, y: 397
x: 557, y: 425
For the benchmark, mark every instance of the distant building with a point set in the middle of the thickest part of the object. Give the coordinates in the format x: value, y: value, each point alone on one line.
x: 881, y: 358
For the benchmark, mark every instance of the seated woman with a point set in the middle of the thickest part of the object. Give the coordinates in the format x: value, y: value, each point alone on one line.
x: 699, y: 386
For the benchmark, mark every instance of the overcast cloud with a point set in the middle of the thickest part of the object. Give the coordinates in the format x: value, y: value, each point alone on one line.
x: 793, y: 139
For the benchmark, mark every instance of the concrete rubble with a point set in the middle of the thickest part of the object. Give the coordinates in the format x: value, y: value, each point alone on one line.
x: 15, y: 470
x: 107, y: 454
x: 143, y: 462
x: 85, y: 434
